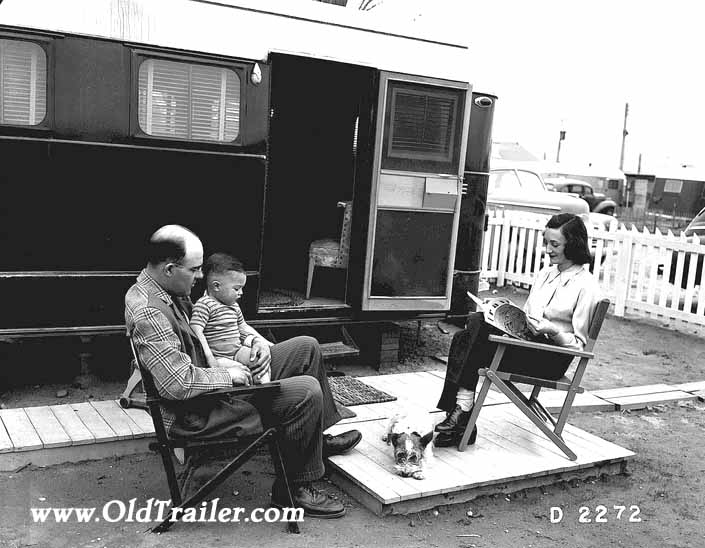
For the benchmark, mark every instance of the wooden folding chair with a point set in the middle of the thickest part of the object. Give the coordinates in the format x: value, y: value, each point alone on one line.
x: 193, y: 449
x: 531, y: 407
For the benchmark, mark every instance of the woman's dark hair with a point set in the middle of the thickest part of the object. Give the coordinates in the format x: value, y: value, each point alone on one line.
x: 577, y: 249
x: 220, y: 263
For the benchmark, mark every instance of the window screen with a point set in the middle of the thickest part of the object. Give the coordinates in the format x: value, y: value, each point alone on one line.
x: 188, y: 101
x: 23, y: 83
x: 422, y: 128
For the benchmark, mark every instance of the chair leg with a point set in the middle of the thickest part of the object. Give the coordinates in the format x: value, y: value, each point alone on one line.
x: 540, y: 424
x: 477, y: 404
x: 309, y: 281
x: 280, y: 469
x: 212, y: 483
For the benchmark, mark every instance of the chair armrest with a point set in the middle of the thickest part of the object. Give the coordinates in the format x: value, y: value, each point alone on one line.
x: 273, y: 386
x: 504, y: 339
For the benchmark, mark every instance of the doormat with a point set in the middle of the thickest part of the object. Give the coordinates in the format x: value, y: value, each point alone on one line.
x: 351, y: 391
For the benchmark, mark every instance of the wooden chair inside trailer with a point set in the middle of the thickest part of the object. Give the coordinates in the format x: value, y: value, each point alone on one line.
x: 331, y: 253
x: 551, y: 426
x: 195, y: 451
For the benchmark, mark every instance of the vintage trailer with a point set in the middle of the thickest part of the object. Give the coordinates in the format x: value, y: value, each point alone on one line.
x: 323, y: 147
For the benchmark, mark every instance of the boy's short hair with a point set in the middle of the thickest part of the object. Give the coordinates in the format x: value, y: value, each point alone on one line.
x: 220, y: 263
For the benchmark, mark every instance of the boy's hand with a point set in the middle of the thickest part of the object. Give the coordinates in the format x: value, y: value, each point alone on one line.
x: 260, y: 356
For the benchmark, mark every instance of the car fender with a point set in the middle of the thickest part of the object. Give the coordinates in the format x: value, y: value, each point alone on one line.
x: 605, y: 204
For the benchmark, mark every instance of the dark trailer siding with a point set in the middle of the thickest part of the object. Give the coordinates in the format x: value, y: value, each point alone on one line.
x: 80, y: 195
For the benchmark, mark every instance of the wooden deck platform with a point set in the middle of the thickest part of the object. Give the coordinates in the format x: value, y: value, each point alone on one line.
x: 510, y: 453
x: 48, y: 435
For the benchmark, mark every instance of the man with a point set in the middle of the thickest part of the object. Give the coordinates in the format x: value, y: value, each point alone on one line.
x: 157, y: 311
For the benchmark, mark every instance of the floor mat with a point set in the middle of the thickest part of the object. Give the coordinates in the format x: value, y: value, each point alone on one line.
x: 351, y: 391
x: 280, y: 297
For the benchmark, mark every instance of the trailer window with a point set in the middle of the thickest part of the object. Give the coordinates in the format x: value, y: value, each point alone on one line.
x: 23, y: 83
x: 188, y: 101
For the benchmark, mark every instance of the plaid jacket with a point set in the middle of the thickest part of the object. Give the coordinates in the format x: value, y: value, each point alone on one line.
x: 168, y: 348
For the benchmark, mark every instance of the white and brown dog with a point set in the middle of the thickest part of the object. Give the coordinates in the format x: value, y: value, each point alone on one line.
x: 410, y: 437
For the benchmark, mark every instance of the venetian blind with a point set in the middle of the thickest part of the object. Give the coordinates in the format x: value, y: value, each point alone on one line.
x: 423, y: 125
x: 23, y: 83
x: 188, y: 101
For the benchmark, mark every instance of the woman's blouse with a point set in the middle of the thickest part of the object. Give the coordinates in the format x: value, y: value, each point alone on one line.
x: 568, y: 299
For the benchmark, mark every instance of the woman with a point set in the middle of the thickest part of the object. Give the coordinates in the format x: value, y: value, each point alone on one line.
x: 561, y: 302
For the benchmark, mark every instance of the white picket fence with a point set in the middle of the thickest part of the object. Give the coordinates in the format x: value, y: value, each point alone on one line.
x: 634, y: 272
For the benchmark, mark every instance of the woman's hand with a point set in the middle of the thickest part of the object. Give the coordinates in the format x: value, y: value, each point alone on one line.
x: 542, y: 326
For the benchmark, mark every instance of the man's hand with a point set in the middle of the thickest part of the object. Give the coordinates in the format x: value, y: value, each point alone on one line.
x: 260, y: 356
x: 542, y: 326
x: 240, y: 374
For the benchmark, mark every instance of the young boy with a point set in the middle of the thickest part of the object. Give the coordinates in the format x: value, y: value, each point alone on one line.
x: 217, y: 319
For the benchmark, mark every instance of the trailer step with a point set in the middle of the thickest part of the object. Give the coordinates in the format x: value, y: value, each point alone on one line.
x: 338, y: 349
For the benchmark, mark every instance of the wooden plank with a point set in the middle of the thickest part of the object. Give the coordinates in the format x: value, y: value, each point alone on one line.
x: 23, y: 435
x: 72, y: 425
x: 115, y: 417
x: 696, y: 386
x: 641, y: 401
x: 74, y: 453
x: 5, y: 442
x: 47, y: 426
x: 142, y: 419
x: 631, y: 391
x: 94, y: 422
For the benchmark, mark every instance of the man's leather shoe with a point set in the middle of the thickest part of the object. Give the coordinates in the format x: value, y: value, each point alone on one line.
x: 315, y: 503
x: 342, y: 443
x: 457, y: 419
x: 450, y: 439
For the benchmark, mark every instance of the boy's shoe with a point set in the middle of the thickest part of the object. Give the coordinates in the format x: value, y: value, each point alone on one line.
x: 315, y: 503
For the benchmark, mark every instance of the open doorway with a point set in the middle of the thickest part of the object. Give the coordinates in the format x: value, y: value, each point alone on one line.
x: 313, y: 158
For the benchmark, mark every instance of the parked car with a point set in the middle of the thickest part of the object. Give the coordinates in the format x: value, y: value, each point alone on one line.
x: 515, y: 188
x: 518, y: 188
x: 597, y: 201
x: 695, y: 227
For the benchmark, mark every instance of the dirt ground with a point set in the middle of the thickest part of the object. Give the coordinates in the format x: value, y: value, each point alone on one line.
x: 663, y: 488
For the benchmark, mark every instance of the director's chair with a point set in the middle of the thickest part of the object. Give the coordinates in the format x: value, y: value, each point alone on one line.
x: 193, y: 450
x: 551, y: 426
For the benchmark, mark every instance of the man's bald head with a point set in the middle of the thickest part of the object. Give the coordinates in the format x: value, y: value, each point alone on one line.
x: 170, y: 243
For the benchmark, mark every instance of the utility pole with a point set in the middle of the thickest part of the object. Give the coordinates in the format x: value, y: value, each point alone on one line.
x: 624, y: 136
x: 638, y: 169
x: 561, y: 137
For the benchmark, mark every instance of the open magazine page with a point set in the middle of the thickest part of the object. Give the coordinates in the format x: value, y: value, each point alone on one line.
x: 505, y: 316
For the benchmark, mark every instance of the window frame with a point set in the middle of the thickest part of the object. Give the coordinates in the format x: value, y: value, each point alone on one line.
x: 239, y: 67
x: 46, y: 42
x: 409, y: 162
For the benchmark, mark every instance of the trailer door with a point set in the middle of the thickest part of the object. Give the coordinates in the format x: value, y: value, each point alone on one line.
x: 416, y: 189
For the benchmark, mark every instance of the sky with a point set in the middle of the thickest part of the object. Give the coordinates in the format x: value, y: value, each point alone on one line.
x: 572, y: 66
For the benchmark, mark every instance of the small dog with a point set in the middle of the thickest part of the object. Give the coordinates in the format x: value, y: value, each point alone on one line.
x: 410, y: 436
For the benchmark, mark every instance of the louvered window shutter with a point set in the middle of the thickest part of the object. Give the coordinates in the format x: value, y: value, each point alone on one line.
x: 423, y: 125
x: 23, y: 83
x: 187, y: 101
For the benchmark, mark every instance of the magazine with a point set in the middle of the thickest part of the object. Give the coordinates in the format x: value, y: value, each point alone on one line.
x: 503, y: 314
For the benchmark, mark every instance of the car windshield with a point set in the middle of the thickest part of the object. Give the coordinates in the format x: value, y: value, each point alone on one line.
x: 530, y: 182
x: 698, y: 222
